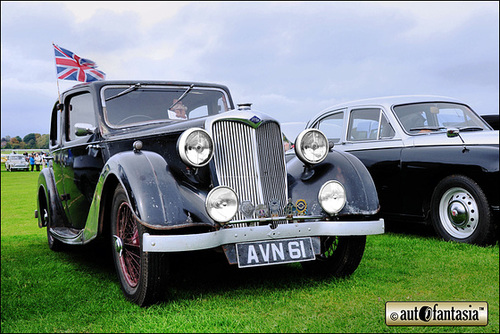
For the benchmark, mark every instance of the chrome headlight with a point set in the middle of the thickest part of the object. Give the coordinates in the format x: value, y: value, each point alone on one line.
x: 195, y: 147
x: 311, y: 146
x: 222, y: 204
x: 332, y: 197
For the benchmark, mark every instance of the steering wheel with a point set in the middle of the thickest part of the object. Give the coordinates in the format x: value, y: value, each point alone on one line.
x: 134, y: 116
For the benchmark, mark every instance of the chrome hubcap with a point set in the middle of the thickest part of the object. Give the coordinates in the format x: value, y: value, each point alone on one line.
x: 118, y: 245
x: 45, y: 217
x: 459, y: 213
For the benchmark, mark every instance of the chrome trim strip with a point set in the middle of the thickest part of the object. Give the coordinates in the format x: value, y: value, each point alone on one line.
x: 273, y: 219
x: 191, y: 242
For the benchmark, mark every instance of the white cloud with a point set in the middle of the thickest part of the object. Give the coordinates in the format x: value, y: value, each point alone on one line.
x: 430, y: 17
x: 150, y: 12
x: 290, y: 59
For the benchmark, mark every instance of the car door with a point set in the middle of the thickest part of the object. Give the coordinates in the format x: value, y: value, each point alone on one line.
x: 366, y: 133
x: 79, y: 160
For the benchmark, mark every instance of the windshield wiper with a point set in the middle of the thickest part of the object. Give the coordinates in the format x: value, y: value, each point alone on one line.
x: 430, y: 128
x: 126, y: 91
x: 181, y: 97
x: 470, y: 128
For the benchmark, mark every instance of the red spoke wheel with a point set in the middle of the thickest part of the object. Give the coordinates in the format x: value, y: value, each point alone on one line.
x: 141, y: 274
x: 130, y: 259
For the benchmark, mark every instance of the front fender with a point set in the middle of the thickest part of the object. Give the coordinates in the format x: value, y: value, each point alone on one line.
x: 305, y: 183
x: 159, y: 201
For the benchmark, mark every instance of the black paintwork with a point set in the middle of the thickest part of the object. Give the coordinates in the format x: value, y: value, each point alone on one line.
x: 406, y: 177
x: 492, y: 120
x: 164, y: 193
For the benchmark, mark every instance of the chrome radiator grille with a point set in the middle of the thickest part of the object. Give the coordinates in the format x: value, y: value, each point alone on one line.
x: 251, y: 162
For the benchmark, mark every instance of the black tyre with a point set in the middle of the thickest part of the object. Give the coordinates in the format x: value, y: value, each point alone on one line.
x: 340, y: 256
x: 54, y: 244
x: 45, y: 219
x: 141, y: 275
x: 460, y: 211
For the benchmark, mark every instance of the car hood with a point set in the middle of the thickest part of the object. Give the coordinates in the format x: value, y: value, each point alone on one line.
x: 485, y: 137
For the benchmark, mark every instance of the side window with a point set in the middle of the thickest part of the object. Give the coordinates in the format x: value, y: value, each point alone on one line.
x: 79, y: 109
x: 369, y: 124
x: 55, y: 124
x: 332, y: 126
x: 363, y: 124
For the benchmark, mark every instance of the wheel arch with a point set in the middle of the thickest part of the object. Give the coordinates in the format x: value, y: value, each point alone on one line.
x: 472, y: 206
x: 362, y: 197
x: 106, y: 203
x: 47, y: 191
x: 429, y: 165
x: 158, y: 200
x: 42, y: 203
x: 484, y: 180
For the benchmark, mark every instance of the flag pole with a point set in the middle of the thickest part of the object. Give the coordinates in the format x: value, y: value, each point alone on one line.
x: 58, y: 92
x: 57, y: 79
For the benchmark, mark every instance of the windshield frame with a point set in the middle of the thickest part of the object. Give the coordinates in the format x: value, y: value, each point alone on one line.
x: 177, y: 88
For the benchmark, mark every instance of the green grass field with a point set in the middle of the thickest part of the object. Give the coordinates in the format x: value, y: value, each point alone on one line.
x: 77, y: 291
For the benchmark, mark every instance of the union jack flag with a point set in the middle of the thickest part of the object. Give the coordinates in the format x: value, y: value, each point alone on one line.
x: 71, y: 67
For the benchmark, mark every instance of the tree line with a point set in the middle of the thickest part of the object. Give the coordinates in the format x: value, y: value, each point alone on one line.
x: 31, y: 140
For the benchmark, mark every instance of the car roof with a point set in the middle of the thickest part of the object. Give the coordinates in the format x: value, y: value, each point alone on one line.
x: 389, y: 101
x: 101, y: 83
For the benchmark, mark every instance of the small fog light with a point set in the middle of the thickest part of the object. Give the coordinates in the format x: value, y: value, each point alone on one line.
x: 332, y: 197
x: 222, y: 204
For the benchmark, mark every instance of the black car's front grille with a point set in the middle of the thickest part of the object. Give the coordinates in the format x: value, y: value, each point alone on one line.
x: 251, y: 161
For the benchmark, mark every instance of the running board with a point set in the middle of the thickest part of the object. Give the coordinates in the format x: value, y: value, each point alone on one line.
x: 70, y: 236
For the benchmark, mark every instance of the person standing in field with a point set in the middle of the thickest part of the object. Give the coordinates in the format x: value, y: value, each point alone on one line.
x: 38, y: 162
x: 44, y: 162
x: 32, y: 162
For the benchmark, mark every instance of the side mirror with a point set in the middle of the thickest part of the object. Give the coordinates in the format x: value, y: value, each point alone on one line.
x: 83, y: 129
x: 451, y: 133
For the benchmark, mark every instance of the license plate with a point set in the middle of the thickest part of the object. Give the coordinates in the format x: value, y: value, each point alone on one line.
x: 262, y: 253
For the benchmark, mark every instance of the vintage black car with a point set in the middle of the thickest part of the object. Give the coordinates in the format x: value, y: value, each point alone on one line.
x: 433, y: 159
x: 158, y: 168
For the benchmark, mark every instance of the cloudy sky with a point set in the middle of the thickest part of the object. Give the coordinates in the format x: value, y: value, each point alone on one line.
x: 290, y: 59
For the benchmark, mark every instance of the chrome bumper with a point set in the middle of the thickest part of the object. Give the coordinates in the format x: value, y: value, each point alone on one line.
x: 191, y: 242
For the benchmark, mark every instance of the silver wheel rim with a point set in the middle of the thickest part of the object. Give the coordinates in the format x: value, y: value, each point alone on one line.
x: 458, y: 213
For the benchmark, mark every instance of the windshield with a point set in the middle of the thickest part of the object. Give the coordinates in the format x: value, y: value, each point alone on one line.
x: 419, y: 117
x: 124, y: 106
x: 17, y: 158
